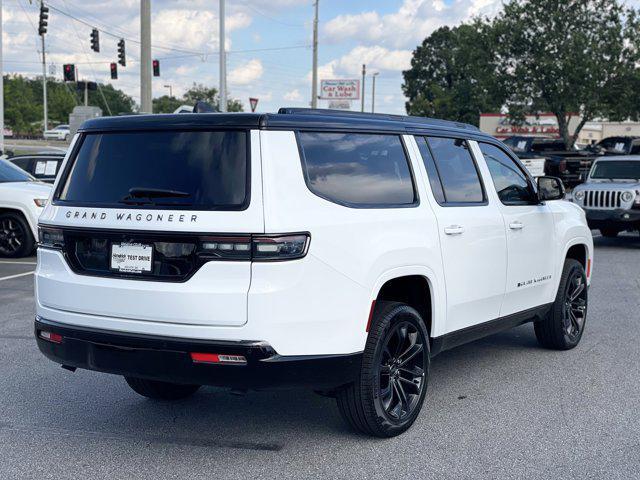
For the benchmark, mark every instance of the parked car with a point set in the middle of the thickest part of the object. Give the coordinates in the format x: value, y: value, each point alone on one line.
x: 8, y: 133
x: 22, y: 199
x: 61, y: 132
x: 570, y: 165
x: 43, y: 166
x: 337, y: 251
x: 617, y: 146
x: 611, y: 195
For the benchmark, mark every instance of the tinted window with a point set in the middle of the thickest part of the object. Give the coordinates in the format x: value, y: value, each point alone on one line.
x: 200, y: 170
x: 510, y: 181
x: 357, y: 169
x: 10, y: 173
x: 635, y: 149
x: 458, y: 172
x: 23, y: 163
x: 432, y: 171
x: 548, y: 146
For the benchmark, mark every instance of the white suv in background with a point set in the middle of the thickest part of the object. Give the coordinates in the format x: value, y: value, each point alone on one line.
x: 22, y: 199
x: 330, y: 250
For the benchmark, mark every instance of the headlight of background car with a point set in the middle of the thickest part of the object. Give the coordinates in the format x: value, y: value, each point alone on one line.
x: 627, y: 196
x: 579, y: 195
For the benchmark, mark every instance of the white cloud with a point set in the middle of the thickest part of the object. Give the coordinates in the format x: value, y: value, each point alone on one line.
x: 247, y: 73
x: 414, y: 20
x: 376, y: 58
x: 293, y: 96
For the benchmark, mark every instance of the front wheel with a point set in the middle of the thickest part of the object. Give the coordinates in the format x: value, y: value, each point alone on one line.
x: 161, y: 390
x: 16, y: 239
x: 563, y: 327
x: 388, y: 395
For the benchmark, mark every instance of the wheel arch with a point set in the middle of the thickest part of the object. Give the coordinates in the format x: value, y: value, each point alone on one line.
x: 581, y: 250
x: 25, y: 215
x: 417, y: 287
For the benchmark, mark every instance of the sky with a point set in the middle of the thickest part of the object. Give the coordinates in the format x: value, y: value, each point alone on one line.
x: 268, y: 42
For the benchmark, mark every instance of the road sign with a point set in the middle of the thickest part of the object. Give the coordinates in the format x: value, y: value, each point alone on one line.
x: 254, y: 103
x: 340, y: 89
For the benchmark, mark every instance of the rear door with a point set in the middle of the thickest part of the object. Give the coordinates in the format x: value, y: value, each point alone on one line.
x: 158, y: 224
x: 471, y: 231
x: 530, y: 233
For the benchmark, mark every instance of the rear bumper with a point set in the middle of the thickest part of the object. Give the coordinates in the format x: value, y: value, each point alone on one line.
x: 168, y: 359
x: 620, y: 219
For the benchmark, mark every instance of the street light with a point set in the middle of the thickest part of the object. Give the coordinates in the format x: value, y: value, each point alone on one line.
x: 373, y: 92
x: 170, y: 90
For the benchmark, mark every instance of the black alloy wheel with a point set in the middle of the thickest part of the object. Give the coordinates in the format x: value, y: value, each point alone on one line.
x: 388, y: 395
x: 16, y: 239
x: 563, y: 327
x: 400, y: 372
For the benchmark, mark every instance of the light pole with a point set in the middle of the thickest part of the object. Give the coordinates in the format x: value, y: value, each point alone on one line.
x: 223, y: 62
x: 364, y: 78
x: 170, y: 90
x: 1, y: 89
x: 373, y: 92
x: 314, y: 75
x: 146, y: 102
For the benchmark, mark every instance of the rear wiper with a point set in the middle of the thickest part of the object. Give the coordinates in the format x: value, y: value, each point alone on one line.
x: 144, y: 196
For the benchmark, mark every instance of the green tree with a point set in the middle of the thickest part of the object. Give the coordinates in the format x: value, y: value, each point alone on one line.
x: 210, y: 95
x: 575, y: 57
x: 166, y: 104
x: 453, y: 75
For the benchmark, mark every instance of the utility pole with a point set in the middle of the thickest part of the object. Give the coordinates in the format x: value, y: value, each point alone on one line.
x: 86, y: 93
x: 42, y: 30
x: 223, y: 62
x: 1, y: 89
x: 373, y: 92
x: 146, y: 103
x: 364, y: 76
x: 314, y: 74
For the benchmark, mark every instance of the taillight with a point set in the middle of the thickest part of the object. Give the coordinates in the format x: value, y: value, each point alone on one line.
x: 49, y: 237
x: 50, y: 336
x: 562, y: 166
x: 218, y: 358
x: 255, y: 247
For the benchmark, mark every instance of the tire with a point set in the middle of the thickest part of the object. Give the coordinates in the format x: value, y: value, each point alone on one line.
x: 563, y: 327
x: 161, y: 390
x: 609, y: 232
x: 386, y: 399
x: 16, y: 239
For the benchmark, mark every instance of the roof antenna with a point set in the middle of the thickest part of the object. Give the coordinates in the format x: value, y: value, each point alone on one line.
x: 203, y: 107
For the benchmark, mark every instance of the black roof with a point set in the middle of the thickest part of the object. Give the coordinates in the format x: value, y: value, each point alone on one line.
x: 286, y: 118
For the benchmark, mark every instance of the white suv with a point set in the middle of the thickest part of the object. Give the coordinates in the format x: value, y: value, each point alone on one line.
x: 330, y: 250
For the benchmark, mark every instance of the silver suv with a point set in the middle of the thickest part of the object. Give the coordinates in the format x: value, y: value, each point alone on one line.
x: 611, y: 195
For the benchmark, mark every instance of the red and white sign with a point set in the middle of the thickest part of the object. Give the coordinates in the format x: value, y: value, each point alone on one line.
x: 340, y: 89
x: 254, y: 103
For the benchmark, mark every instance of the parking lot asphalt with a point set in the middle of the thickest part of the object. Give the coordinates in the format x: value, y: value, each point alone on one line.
x: 501, y: 407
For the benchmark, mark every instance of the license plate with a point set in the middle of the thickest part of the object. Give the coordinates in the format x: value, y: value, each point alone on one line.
x: 131, y: 257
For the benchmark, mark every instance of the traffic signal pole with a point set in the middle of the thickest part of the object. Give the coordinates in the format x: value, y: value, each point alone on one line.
x: 146, y: 104
x: 223, y: 61
x: 44, y: 85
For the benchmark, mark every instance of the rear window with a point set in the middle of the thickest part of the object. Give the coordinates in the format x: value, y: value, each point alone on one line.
x: 199, y: 170
x: 11, y: 173
x: 362, y: 170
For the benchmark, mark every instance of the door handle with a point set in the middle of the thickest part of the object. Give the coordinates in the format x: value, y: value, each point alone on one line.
x: 517, y: 225
x: 454, y: 230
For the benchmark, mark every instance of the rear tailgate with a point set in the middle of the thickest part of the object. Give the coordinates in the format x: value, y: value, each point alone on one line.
x: 147, y: 220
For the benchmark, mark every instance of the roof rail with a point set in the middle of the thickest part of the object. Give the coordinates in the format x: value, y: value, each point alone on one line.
x: 374, y: 116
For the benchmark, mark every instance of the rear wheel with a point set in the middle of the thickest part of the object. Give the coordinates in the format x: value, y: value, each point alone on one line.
x: 562, y: 329
x: 609, y: 232
x: 161, y: 390
x: 16, y: 239
x: 388, y: 395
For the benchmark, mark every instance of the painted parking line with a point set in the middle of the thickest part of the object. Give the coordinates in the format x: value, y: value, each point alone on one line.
x: 9, y: 262
x: 17, y: 276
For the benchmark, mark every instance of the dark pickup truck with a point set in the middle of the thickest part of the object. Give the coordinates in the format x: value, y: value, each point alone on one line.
x: 612, y: 146
x: 572, y: 166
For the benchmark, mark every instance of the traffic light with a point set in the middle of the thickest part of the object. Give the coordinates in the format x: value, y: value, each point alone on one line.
x: 114, y: 71
x: 44, y: 16
x: 69, y: 72
x: 122, y: 60
x: 156, y: 68
x: 95, y: 40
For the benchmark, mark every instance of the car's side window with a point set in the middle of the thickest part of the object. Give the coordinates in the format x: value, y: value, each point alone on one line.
x: 511, y: 183
x: 449, y: 160
x: 635, y: 149
x: 357, y: 170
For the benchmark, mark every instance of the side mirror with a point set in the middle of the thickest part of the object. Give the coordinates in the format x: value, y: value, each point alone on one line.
x: 550, y: 188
